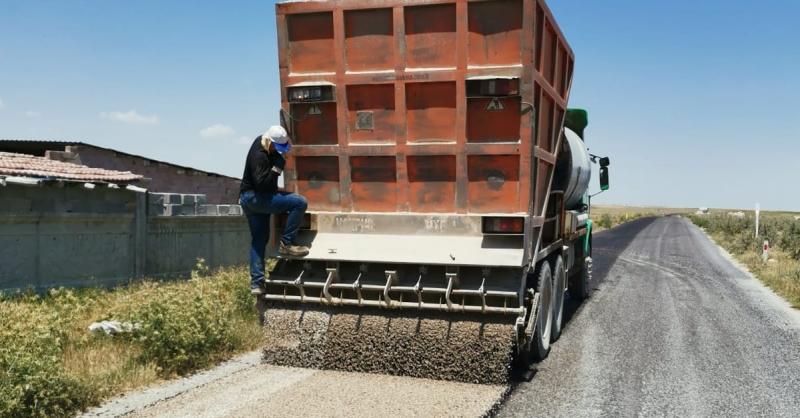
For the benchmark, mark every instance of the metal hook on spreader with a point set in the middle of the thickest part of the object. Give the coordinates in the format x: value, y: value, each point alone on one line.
x: 482, y: 291
x: 332, y: 276
x: 357, y: 288
x: 391, y: 277
x: 298, y: 282
x: 451, y: 281
x: 418, y: 290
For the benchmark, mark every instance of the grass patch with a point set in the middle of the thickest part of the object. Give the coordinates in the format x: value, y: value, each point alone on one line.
x: 737, y: 235
x: 51, y: 366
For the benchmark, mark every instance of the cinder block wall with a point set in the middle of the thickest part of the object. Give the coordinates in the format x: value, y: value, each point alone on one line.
x: 164, y: 178
x: 175, y: 243
x: 67, y: 235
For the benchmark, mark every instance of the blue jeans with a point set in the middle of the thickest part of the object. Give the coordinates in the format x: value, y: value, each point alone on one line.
x: 258, y: 207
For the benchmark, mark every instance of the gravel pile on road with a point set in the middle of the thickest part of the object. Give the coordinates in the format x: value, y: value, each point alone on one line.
x: 458, y: 347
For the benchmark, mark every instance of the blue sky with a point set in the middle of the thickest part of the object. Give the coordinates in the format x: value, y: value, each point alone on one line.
x: 695, y: 102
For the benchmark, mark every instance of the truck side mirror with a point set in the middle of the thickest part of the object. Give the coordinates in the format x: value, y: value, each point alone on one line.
x: 603, y: 177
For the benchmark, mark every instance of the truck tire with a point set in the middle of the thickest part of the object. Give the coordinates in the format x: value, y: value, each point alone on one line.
x: 580, y: 282
x: 540, y: 346
x: 580, y: 287
x: 559, y: 284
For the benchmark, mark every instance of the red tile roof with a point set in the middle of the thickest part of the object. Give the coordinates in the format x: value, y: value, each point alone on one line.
x: 40, y: 147
x: 23, y: 165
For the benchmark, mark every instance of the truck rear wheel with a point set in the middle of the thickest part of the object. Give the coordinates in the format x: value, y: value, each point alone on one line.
x: 559, y: 283
x: 580, y: 287
x: 540, y: 346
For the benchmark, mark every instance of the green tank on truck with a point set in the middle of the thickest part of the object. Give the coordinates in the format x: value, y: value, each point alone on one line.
x: 447, y: 185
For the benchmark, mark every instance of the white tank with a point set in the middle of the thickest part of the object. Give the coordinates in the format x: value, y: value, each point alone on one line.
x: 573, y: 170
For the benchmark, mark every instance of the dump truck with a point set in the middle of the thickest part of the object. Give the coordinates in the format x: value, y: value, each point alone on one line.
x: 447, y: 185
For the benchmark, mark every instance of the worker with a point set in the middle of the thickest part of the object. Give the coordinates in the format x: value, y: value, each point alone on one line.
x: 261, y: 197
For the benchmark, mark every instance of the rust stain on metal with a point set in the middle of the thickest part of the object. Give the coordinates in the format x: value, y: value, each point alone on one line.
x: 413, y: 126
x: 311, y: 41
x: 368, y: 39
x: 431, y: 35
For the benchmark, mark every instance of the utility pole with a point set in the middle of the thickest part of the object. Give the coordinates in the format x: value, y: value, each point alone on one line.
x: 758, y: 216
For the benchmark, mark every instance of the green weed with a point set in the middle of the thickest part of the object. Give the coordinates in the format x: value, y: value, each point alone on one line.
x: 50, y: 365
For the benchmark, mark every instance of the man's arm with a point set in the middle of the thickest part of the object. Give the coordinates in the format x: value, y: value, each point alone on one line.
x: 267, y: 175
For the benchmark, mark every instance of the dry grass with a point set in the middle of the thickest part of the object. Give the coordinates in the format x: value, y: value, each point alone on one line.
x: 781, y: 274
x: 110, y: 366
x: 50, y: 365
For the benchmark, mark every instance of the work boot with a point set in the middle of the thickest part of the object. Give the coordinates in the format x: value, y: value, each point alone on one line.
x: 293, y: 250
x: 258, y: 289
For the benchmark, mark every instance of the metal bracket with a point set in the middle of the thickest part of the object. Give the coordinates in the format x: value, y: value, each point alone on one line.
x: 357, y: 288
x: 391, y: 278
x: 531, y: 327
x: 423, y: 270
x: 452, y: 281
x: 333, y: 277
x: 298, y: 283
x: 519, y: 334
x: 482, y: 291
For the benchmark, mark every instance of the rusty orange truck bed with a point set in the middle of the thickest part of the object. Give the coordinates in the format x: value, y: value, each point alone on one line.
x: 427, y: 136
x: 424, y: 103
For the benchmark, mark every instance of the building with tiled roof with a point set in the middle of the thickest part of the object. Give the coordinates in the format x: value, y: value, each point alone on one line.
x: 22, y: 165
x: 157, y: 176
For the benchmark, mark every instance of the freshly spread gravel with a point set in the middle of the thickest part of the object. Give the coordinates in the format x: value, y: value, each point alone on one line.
x: 456, y: 347
x: 272, y: 391
x: 340, y: 394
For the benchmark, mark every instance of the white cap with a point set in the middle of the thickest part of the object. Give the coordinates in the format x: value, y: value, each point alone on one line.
x: 279, y: 137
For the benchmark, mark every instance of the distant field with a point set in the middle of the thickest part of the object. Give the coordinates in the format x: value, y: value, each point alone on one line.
x: 609, y: 216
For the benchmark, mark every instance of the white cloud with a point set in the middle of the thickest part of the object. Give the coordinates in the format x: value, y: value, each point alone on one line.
x: 245, y: 140
x: 2, y: 105
x: 131, y: 117
x: 217, y: 131
x: 33, y: 114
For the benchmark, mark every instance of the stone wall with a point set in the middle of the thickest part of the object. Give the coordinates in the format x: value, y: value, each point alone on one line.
x: 65, y: 234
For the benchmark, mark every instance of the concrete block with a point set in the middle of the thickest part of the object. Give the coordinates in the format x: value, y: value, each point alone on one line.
x: 199, y: 199
x: 189, y: 199
x: 165, y: 198
x: 236, y: 210
x: 156, y: 209
x: 224, y: 209
x: 207, y: 210
x: 155, y: 199
x: 172, y: 210
x: 188, y: 209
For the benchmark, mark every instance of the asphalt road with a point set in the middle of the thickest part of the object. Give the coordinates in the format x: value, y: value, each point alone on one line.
x: 673, y: 329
